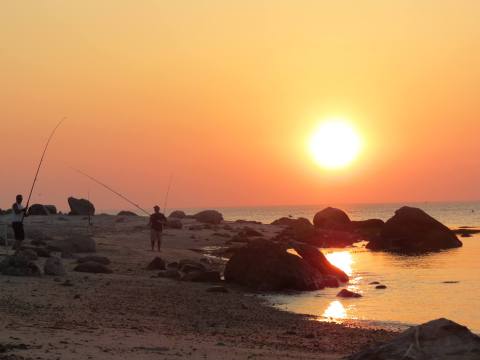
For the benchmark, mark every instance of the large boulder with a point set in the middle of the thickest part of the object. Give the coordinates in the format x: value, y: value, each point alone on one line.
x: 54, y: 266
x: 440, y: 339
x: 74, y: 244
x: 411, y: 230
x: 209, y: 217
x: 81, y: 207
x: 332, y: 219
x: 39, y: 209
x: 19, y: 265
x: 177, y: 214
x: 318, y: 261
x: 268, y: 266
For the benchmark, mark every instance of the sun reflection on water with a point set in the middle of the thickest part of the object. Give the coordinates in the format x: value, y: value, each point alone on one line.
x: 335, y: 311
x: 341, y: 259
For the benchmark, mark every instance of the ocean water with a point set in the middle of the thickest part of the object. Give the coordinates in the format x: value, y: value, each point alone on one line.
x: 419, y: 288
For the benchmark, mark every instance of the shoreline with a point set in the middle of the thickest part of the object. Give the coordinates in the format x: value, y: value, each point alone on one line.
x: 131, y: 312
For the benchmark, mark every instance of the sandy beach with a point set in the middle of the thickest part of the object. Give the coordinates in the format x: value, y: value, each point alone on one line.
x: 132, y: 313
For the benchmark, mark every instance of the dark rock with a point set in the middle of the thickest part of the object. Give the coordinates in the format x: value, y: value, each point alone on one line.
x: 92, y: 267
x: 39, y: 209
x: 348, y: 294
x: 332, y: 219
x: 126, y: 213
x: 374, y: 283
x: 249, y: 232
x: 412, y: 230
x: 99, y: 259
x: 54, y: 266
x: 174, y: 223
x: 380, y: 287
x: 266, y: 265
x: 440, y: 339
x: 177, y: 214
x: 81, y: 207
x: 74, y: 244
x: 209, y: 217
x: 318, y: 261
x: 368, y: 224
x: 302, y: 230
x: 218, y: 289
x: 18, y: 265
x: 331, y: 282
x: 156, y: 264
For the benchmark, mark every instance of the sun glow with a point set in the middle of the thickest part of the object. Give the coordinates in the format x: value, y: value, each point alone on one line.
x: 341, y: 259
x: 335, y: 144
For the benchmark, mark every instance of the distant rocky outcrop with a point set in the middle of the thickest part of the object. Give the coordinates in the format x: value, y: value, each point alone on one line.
x: 126, y: 213
x: 81, y: 207
x: 39, y: 209
x: 268, y: 266
x: 440, y: 339
x: 411, y: 230
x: 177, y: 214
x: 209, y: 217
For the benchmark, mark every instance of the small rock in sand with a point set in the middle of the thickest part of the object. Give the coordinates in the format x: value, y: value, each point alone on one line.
x: 156, y: 264
x: 348, y: 294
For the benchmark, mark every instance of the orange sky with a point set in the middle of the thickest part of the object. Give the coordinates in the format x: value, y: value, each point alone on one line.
x: 225, y: 95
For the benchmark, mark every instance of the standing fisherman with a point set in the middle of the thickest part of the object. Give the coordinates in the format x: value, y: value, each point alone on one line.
x: 157, y: 221
x: 19, y: 212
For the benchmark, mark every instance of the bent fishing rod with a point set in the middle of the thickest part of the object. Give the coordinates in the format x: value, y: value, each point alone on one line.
x: 167, y: 194
x: 40, y: 164
x: 112, y: 190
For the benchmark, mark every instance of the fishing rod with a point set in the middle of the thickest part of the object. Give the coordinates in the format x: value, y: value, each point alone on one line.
x: 40, y: 164
x: 112, y: 190
x: 168, y: 193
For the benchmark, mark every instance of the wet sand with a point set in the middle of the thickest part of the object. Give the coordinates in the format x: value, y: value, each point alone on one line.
x: 134, y: 314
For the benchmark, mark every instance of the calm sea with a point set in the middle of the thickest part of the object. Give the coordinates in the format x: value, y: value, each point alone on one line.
x: 417, y: 288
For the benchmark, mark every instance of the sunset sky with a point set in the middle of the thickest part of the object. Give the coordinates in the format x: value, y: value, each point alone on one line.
x: 225, y: 95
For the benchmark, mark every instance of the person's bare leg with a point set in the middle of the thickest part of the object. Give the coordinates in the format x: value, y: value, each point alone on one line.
x: 159, y: 241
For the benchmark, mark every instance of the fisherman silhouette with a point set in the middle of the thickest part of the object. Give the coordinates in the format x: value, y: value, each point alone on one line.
x: 19, y: 212
x: 157, y: 221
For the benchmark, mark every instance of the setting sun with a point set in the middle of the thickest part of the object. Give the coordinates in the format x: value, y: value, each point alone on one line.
x: 335, y: 144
